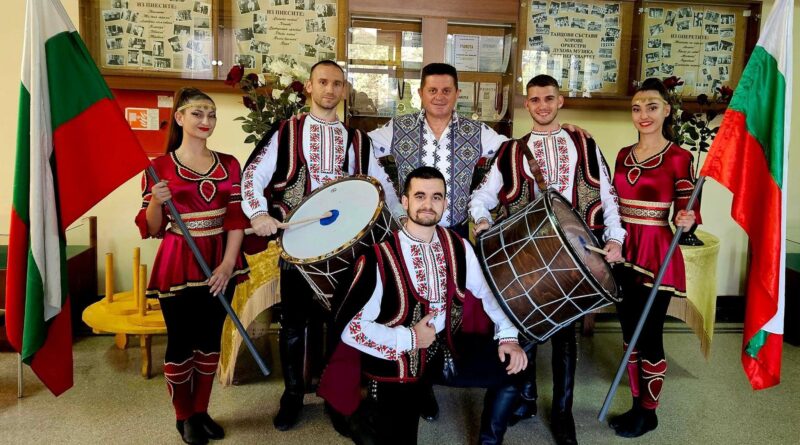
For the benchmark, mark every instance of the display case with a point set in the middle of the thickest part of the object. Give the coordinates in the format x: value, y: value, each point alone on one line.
x: 384, y: 61
x: 384, y: 58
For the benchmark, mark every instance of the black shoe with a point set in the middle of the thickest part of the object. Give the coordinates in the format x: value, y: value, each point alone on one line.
x: 213, y: 430
x: 289, y: 412
x: 338, y: 420
x: 430, y: 407
x: 192, y: 432
x: 616, y: 421
x: 641, y: 422
x: 563, y: 428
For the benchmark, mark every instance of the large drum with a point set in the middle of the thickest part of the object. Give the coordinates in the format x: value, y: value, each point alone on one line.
x: 539, y: 269
x: 323, y: 250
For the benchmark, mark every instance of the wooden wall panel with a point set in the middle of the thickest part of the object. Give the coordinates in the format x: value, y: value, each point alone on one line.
x: 480, y: 10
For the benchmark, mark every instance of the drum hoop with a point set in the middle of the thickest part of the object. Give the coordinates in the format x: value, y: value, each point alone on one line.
x: 349, y: 243
x: 493, y: 286
x: 570, y: 250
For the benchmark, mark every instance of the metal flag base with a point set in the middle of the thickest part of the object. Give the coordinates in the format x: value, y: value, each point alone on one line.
x: 207, y: 271
x: 650, y: 299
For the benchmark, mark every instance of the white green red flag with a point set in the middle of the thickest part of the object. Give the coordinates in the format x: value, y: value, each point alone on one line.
x: 73, y: 148
x: 749, y: 156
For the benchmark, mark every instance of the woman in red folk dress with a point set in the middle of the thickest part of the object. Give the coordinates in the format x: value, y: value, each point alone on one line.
x: 205, y: 187
x: 650, y: 177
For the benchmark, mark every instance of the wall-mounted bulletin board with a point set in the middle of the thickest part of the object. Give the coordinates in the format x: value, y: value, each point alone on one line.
x: 585, y: 45
x: 174, y: 38
x: 704, y: 45
x: 293, y: 31
x: 158, y: 44
x: 599, y: 49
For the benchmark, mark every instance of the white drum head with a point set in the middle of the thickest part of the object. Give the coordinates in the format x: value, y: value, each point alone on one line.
x: 356, y: 201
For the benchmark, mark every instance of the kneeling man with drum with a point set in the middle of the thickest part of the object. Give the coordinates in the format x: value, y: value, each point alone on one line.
x: 403, y: 325
x: 571, y: 164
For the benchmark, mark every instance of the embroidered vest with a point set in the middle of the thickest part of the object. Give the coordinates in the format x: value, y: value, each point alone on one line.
x: 465, y: 139
x: 518, y: 187
x: 291, y: 183
x: 402, y: 306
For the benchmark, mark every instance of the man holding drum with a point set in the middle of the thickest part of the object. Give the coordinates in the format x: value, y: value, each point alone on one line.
x: 570, y: 163
x: 304, y: 153
x: 438, y: 137
x: 403, y: 324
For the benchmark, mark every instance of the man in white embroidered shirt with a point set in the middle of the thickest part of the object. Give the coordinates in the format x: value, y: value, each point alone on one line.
x: 302, y: 154
x: 571, y: 164
x: 403, y: 324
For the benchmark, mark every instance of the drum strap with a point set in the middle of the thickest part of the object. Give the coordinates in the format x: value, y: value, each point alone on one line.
x: 534, y: 166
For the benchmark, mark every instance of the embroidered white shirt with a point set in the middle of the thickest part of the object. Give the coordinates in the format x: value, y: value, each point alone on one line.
x: 557, y: 157
x: 426, y: 267
x: 324, y: 152
x: 435, y: 153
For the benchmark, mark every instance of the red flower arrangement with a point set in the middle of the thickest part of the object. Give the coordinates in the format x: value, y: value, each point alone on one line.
x: 269, y: 98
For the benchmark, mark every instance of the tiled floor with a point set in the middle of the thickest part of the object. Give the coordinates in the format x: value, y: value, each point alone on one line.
x: 704, y: 402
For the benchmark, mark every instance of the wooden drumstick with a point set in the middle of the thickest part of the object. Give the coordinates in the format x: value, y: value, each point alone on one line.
x: 284, y: 225
x: 595, y: 249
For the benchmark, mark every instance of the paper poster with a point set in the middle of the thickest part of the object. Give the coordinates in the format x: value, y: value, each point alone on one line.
x: 173, y: 36
x: 465, y: 52
x: 296, y: 32
x: 466, y: 98
x: 487, y: 101
x: 490, y: 54
x: 577, y: 43
x: 695, y: 43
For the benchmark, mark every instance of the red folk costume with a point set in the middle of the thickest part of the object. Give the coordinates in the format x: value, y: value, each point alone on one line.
x: 210, y: 205
x: 647, y: 189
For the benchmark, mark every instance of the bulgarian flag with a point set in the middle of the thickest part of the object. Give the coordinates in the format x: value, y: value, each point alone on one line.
x: 749, y: 156
x: 73, y: 148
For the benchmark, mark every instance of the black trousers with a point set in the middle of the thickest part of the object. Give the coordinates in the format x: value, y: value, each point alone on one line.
x: 390, y: 415
x: 194, y: 320
x: 301, y: 340
x: 651, y: 340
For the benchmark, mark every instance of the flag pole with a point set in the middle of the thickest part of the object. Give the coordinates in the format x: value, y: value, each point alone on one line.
x: 176, y: 217
x: 650, y: 299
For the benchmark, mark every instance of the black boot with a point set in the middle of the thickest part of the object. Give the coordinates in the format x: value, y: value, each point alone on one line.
x: 498, y: 404
x: 291, y: 342
x: 642, y: 421
x: 430, y: 407
x: 192, y: 432
x: 526, y: 408
x: 616, y: 421
x: 212, y: 429
x: 338, y: 420
x: 564, y: 358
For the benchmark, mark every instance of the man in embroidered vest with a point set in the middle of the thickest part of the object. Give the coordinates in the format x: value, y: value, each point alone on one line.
x: 403, y: 323
x: 571, y: 164
x: 304, y: 153
x: 438, y: 137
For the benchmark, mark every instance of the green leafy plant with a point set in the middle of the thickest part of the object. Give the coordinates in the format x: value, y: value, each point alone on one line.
x: 695, y: 131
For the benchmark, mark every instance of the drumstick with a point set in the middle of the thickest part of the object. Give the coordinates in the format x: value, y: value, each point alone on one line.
x: 283, y: 225
x: 595, y: 249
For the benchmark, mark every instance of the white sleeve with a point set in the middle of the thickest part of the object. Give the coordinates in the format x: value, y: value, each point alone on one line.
x: 484, y: 198
x: 608, y: 196
x: 382, y: 139
x: 377, y: 171
x: 376, y: 339
x: 256, y: 178
x: 490, y: 141
x: 476, y: 283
